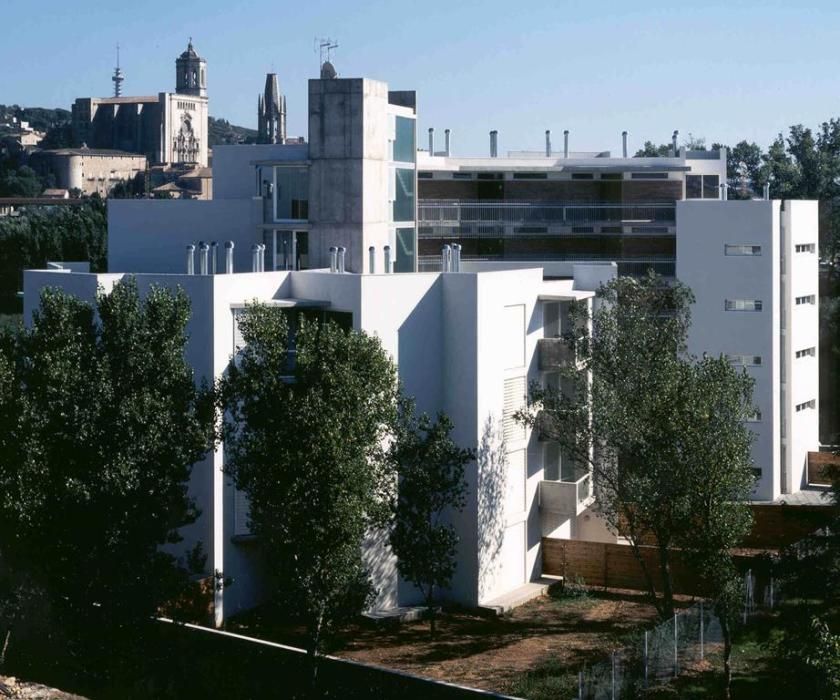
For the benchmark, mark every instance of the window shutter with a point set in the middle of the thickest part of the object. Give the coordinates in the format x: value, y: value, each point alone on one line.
x: 514, y: 401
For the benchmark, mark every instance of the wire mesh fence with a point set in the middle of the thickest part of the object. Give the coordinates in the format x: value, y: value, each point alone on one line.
x: 674, y: 646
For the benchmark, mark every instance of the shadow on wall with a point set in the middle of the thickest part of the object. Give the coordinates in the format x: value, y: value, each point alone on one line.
x: 381, y: 565
x: 491, y: 460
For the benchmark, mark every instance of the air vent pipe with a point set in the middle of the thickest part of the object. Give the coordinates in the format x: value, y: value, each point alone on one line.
x: 203, y: 253
x: 431, y: 141
x: 724, y: 191
x: 333, y: 259
x: 447, y: 142
x: 372, y: 260
x: 456, y: 257
x: 494, y: 143
x: 548, y: 143
x: 214, y: 248
x: 565, y: 143
x: 229, y: 257
x: 623, y: 144
x: 190, y: 259
x: 388, y: 267
x: 766, y: 190
x: 341, y: 251
x: 255, y: 258
x: 446, y: 258
x: 674, y: 146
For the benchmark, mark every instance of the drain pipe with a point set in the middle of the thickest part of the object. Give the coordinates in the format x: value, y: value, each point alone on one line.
x: 190, y: 259
x: 214, y: 248
x: 229, y: 257
x: 203, y: 252
x: 333, y: 259
x: 372, y: 260
x: 341, y: 251
x: 388, y: 267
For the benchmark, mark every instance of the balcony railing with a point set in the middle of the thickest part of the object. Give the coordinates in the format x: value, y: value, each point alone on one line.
x: 555, y: 354
x: 568, y: 497
x: 451, y: 212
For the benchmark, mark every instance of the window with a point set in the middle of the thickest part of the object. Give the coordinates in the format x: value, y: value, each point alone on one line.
x: 462, y: 176
x: 405, y: 250
x: 514, y: 401
x: 610, y: 229
x: 490, y: 176
x: 425, y: 175
x: 648, y: 176
x: 404, y: 148
x: 742, y: 305
x: 807, y: 352
x: 809, y: 299
x: 805, y: 248
x: 583, y: 229
x: 737, y: 249
x: 404, y: 194
x: 291, y: 195
x: 711, y: 184
x: 530, y: 176
x: 745, y: 360
x: 806, y: 406
x: 612, y: 176
x: 702, y: 187
x: 583, y: 176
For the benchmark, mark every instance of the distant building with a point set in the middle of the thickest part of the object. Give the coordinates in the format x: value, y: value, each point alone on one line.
x: 89, y: 170
x: 271, y: 113
x: 167, y: 128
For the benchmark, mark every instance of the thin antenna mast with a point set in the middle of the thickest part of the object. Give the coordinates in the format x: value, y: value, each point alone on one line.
x: 118, y: 76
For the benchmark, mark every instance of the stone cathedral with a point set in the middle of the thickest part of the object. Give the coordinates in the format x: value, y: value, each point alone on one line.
x: 271, y: 113
x: 169, y: 128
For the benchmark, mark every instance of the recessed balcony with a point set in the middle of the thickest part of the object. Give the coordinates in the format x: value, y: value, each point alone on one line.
x: 555, y: 354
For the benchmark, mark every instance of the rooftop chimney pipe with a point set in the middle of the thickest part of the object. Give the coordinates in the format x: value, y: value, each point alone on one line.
x: 191, y: 259
x: 447, y: 142
x: 724, y: 191
x: 388, y: 266
x: 229, y: 257
x: 456, y: 257
x: 261, y: 257
x: 203, y: 253
x: 431, y: 141
x: 674, y: 143
x: 333, y: 259
x: 565, y: 143
x: 623, y: 144
x: 766, y: 190
x: 341, y: 251
x: 446, y: 258
x: 548, y: 143
x: 372, y: 260
x: 494, y: 143
x: 214, y: 247
x: 255, y: 258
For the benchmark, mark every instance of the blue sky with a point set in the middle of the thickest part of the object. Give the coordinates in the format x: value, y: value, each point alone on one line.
x: 719, y: 70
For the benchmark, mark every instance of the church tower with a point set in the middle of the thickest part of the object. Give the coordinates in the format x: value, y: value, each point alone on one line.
x: 191, y: 73
x: 271, y: 113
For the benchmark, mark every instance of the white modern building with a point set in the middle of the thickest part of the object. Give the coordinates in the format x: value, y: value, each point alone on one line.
x: 330, y: 225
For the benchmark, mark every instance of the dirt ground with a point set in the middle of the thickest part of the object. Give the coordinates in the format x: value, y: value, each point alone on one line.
x: 489, y: 653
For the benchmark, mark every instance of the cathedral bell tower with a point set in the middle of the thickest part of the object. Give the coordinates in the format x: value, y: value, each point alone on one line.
x: 191, y: 73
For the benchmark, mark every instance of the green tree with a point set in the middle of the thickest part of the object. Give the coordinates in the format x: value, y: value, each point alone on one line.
x: 23, y: 182
x: 644, y: 424
x: 307, y: 410
x: 652, y: 150
x: 431, y: 487
x: 101, y: 422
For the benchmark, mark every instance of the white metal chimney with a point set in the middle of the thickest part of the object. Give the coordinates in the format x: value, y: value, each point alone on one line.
x: 203, y: 253
x: 623, y: 144
x: 333, y: 259
x: 431, y: 141
x: 447, y: 142
x: 446, y: 258
x: 229, y: 257
x: 674, y: 143
x: 341, y: 251
x: 261, y: 258
x: 548, y: 143
x: 494, y: 143
x: 255, y: 258
x: 372, y: 260
x: 190, y: 259
x: 214, y: 247
x: 388, y: 266
x: 456, y: 257
x: 565, y: 143
x: 766, y: 190
x: 724, y: 191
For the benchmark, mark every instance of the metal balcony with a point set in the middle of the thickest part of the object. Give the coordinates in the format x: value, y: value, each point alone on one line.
x: 567, y: 497
x: 453, y: 212
x: 555, y: 354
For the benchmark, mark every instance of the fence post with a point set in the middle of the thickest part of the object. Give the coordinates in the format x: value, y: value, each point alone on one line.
x: 646, y: 658
x: 702, y: 624
x: 613, y: 676
x: 676, y: 649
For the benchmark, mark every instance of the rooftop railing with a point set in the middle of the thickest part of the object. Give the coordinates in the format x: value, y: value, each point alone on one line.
x: 455, y: 212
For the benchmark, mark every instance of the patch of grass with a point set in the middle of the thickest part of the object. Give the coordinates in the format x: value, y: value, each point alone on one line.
x: 550, y: 680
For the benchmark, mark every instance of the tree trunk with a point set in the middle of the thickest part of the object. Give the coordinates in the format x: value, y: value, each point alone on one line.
x: 430, y: 611
x: 646, y: 573
x: 726, y: 630
x: 667, y: 582
x: 314, y: 644
x: 5, y: 648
